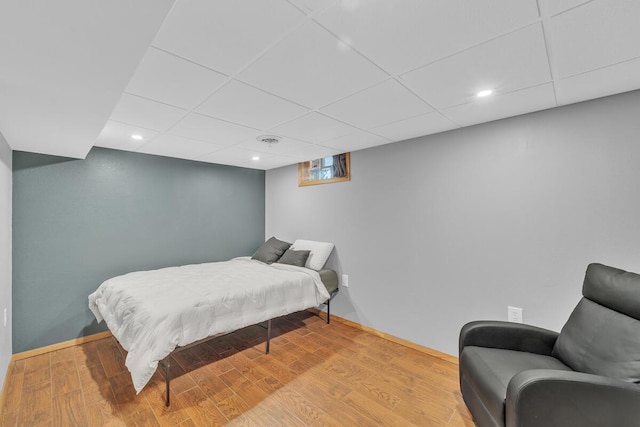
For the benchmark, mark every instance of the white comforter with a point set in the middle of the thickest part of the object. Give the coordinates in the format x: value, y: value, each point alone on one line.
x: 153, y: 312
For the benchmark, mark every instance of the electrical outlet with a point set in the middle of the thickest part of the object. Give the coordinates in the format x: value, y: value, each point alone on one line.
x: 345, y: 280
x: 514, y: 314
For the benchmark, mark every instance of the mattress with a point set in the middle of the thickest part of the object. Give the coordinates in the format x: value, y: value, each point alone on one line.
x: 152, y: 312
x: 329, y: 279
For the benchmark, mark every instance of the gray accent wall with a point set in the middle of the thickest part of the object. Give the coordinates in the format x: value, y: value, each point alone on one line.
x: 449, y: 228
x: 77, y: 223
x: 5, y: 257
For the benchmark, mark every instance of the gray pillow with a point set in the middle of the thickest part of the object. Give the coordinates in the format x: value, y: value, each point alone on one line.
x: 271, y: 250
x: 292, y: 257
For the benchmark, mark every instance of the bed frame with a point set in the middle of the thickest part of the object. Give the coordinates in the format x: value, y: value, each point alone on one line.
x: 166, y: 362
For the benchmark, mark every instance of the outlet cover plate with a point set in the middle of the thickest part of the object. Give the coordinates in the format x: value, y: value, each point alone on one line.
x: 514, y: 314
x: 345, y: 280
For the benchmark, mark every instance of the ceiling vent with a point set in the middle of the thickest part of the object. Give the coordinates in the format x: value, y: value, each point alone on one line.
x: 268, y: 139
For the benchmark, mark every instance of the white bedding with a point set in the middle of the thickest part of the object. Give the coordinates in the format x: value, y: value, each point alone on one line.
x: 152, y: 312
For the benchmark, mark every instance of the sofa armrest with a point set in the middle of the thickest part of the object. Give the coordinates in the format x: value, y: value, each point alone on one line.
x: 548, y: 398
x: 508, y: 336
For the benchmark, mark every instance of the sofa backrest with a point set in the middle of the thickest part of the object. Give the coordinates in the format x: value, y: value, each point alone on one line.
x: 602, y: 335
x: 613, y: 288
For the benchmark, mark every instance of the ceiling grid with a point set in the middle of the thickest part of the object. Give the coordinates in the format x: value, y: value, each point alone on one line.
x: 203, y: 80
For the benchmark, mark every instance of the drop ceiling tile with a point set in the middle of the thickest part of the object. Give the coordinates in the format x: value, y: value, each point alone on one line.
x: 176, y: 146
x: 270, y: 163
x: 208, y: 129
x: 232, y: 156
x: 312, y: 68
x: 356, y: 141
x: 381, y: 104
x: 556, y: 6
x: 503, y: 106
x: 166, y: 78
x: 312, y: 6
x: 225, y: 35
x: 514, y: 61
x: 315, y: 152
x: 285, y: 146
x: 239, y: 103
x: 64, y: 65
x: 314, y: 128
x: 595, y: 35
x: 118, y: 136
x: 311, y: 151
x: 145, y: 113
x: 425, y: 124
x: 602, y: 82
x: 401, y: 35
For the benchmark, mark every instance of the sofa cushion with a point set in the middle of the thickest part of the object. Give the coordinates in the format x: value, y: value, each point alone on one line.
x: 597, y: 340
x: 489, y: 370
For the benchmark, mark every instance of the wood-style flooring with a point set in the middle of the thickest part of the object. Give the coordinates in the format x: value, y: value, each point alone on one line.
x: 316, y: 375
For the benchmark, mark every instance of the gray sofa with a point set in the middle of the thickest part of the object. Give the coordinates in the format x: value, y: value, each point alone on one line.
x: 520, y: 375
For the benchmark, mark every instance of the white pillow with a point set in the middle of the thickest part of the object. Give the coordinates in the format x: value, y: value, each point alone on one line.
x: 319, y: 254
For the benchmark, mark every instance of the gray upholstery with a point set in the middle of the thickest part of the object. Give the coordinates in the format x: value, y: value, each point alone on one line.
x: 298, y: 258
x: 271, y: 250
x: 329, y: 279
x: 521, y: 375
x: 613, y: 288
x: 597, y: 340
x: 602, y: 335
x: 489, y: 371
x: 552, y: 398
x: 508, y: 336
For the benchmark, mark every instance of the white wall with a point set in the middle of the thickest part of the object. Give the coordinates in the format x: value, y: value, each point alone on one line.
x: 441, y: 230
x: 5, y: 257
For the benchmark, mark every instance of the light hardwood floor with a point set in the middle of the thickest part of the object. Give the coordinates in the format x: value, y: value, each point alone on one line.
x: 316, y: 375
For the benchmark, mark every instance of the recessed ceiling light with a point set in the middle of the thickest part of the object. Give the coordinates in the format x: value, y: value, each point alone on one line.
x: 484, y: 93
x: 255, y: 158
x: 136, y: 137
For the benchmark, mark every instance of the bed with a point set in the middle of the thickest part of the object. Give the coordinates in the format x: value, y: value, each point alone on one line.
x: 154, y: 313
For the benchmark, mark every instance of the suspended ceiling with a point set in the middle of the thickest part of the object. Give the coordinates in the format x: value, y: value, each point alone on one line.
x: 201, y: 79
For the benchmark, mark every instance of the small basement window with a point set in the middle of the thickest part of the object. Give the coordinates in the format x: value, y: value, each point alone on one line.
x: 325, y: 170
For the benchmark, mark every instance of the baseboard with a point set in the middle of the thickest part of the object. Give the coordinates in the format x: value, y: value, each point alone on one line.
x: 59, y: 346
x: 100, y: 335
x: 401, y: 341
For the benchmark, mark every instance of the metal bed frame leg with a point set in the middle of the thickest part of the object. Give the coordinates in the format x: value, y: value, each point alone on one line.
x: 268, y: 335
x: 167, y: 380
x: 166, y: 363
x: 328, y: 304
